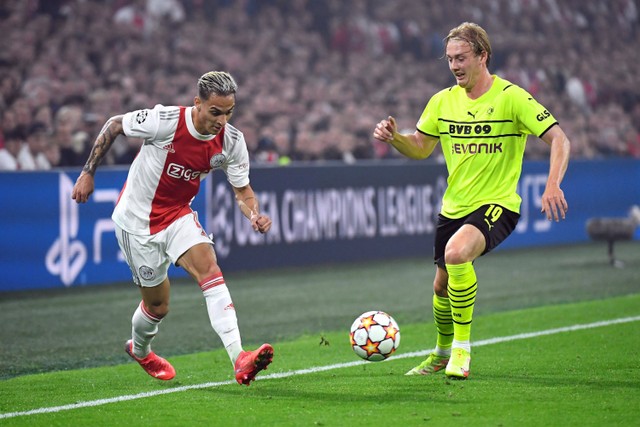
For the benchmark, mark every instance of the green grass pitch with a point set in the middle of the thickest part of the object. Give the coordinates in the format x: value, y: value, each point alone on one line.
x: 556, y: 333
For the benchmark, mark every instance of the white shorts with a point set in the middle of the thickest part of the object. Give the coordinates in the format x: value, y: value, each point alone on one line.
x: 149, y: 257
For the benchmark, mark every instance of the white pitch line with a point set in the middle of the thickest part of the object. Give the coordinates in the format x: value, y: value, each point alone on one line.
x: 277, y: 375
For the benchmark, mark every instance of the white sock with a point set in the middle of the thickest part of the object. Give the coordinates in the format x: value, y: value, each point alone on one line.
x: 465, y: 345
x: 443, y: 351
x: 222, y: 315
x: 144, y: 327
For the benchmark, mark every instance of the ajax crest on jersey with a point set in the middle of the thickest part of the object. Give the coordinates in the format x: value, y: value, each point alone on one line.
x: 374, y: 335
x: 217, y: 161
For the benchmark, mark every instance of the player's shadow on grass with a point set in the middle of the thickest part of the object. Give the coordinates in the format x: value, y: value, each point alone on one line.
x: 347, y: 387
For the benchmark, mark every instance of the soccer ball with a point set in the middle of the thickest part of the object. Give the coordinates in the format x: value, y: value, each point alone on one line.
x: 374, y: 335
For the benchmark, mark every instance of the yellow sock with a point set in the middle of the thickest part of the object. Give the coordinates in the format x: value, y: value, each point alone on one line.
x: 444, y: 324
x: 462, y: 289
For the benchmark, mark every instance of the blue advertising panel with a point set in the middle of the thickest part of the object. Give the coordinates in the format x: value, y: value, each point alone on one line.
x: 322, y: 214
x: 326, y: 214
x: 48, y: 240
x: 592, y: 189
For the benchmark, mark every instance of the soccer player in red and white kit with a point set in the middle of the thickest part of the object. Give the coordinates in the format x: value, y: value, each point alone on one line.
x: 155, y: 224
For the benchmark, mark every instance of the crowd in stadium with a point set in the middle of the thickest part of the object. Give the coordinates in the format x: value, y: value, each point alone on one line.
x: 314, y: 76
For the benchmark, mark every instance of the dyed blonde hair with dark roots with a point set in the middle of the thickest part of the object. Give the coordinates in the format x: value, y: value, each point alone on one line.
x: 218, y: 83
x: 473, y: 34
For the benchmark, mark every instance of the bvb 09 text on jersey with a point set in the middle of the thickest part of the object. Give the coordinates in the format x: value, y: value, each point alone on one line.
x: 467, y: 129
x: 473, y: 148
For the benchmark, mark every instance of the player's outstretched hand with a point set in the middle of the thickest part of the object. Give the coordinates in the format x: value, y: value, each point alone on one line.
x: 83, y: 188
x: 554, y: 204
x: 385, y: 130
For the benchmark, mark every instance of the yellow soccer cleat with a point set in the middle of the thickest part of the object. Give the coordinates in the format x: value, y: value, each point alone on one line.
x: 458, y: 366
x: 431, y: 365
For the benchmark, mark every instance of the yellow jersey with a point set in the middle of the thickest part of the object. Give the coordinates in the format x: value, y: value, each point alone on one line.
x: 483, y: 142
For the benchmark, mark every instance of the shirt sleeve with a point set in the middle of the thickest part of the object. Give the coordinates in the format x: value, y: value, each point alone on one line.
x: 237, y: 165
x: 142, y: 123
x: 533, y: 117
x: 428, y: 121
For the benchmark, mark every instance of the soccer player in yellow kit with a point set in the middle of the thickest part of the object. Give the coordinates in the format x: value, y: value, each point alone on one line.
x: 482, y: 123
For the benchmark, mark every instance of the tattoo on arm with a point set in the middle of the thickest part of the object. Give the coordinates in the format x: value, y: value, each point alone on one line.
x: 108, y: 134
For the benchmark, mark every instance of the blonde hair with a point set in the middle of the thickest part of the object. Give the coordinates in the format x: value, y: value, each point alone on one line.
x: 473, y: 34
x: 216, y: 82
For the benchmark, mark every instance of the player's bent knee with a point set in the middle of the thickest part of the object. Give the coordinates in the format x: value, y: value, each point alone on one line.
x: 213, y: 270
x: 439, y: 290
x: 158, y: 310
x: 440, y: 282
x: 454, y: 256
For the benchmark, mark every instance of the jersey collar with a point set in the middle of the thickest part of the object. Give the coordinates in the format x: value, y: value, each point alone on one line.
x: 192, y: 128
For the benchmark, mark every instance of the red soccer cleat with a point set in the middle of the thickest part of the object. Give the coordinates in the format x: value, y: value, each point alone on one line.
x: 153, y: 364
x: 249, y: 363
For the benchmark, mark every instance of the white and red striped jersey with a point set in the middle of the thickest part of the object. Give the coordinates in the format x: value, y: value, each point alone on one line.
x: 165, y: 175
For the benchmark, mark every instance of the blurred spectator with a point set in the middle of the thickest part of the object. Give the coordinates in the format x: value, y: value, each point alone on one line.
x: 164, y: 12
x: 73, y: 144
x: 133, y: 17
x: 13, y: 143
x: 315, y: 74
x: 267, y: 152
x: 32, y: 154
